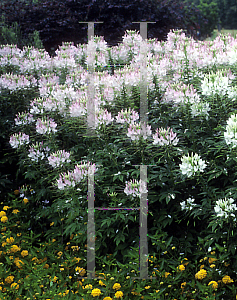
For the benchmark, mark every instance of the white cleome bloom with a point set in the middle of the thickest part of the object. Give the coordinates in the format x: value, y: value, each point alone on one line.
x: 230, y: 134
x: 192, y: 164
x: 225, y: 208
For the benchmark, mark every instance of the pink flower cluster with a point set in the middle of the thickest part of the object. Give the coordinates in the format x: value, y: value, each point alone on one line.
x: 135, y: 188
x: 165, y: 137
x: 13, y: 82
x: 24, y: 118
x: 72, y: 178
x: 103, y: 117
x: 136, y: 130
x: 58, y: 158
x: 127, y: 116
x: 46, y: 126
x: 19, y: 139
x: 37, y: 151
x: 78, y: 108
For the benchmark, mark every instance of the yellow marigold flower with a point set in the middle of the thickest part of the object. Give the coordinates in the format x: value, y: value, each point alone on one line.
x: 80, y: 270
x: 15, y: 248
x: 53, y: 240
x: 201, y: 267
x: 9, y: 279
x: 185, y: 263
x: 226, y: 279
x: 201, y: 274
x: 15, y: 285
x: 173, y: 248
x: 18, y: 234
x: 167, y: 274
x: 25, y: 200
x: 2, y: 213
x: 4, y: 244
x: 24, y: 253
x: 211, y: 260
x: 101, y: 283
x: 205, y: 258
x: 183, y: 285
x: 147, y: 287
x: 214, y: 284
x: 107, y: 298
x: 4, y: 219
x: 118, y: 294
x: 116, y: 286
x: 6, y: 207
x: 165, y: 252
x: 226, y: 264
x: 51, y: 224
x: 46, y: 266
x: 88, y: 286
x: 181, y: 267
x: 15, y: 211
x: 60, y: 253
x: 212, y: 266
x: 55, y: 278
x: 10, y: 240
x: 95, y: 292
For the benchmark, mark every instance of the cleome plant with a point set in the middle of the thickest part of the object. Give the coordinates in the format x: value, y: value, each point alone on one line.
x: 188, y: 146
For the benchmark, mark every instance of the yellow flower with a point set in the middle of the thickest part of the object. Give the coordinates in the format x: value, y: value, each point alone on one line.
x: 15, y: 211
x: 116, y: 286
x: 201, y: 267
x: 25, y: 200
x: 147, y: 287
x: 10, y: 240
x: 55, y: 278
x: 60, y: 253
x: 80, y: 270
x: 18, y: 262
x: 16, y: 192
x: 118, y: 294
x: 226, y: 279
x: 51, y: 224
x: 184, y: 263
x: 214, y: 284
x: 167, y: 274
x: 101, y: 283
x: 95, y: 292
x: 173, y: 248
x: 15, y: 285
x: 212, y: 266
x: 107, y: 298
x: 46, y: 266
x: 4, y: 219
x: 181, y: 267
x: 2, y: 213
x: 201, y: 274
x: 4, y: 244
x: 24, y: 253
x: 6, y: 207
x: 88, y: 286
x: 165, y: 252
x: 9, y: 279
x: 183, y: 285
x: 18, y: 234
x: 211, y: 260
x: 15, y: 248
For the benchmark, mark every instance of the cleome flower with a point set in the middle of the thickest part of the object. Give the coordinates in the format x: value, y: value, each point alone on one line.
x: 230, y: 134
x: 165, y: 137
x: 192, y: 164
x: 135, y: 188
x: 225, y: 208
